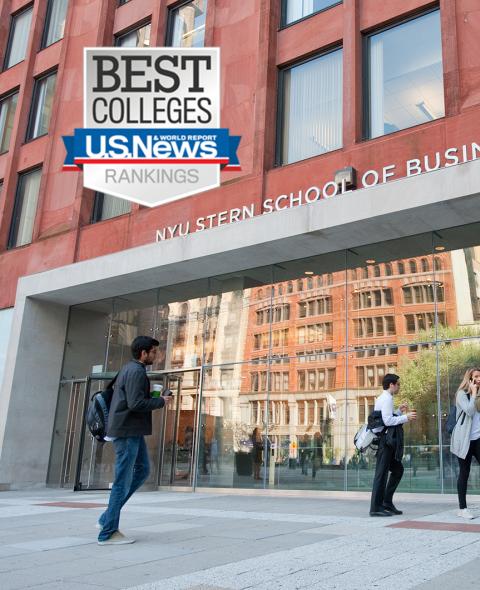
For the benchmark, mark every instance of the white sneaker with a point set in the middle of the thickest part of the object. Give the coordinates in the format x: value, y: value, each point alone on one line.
x: 117, y: 538
x: 465, y: 513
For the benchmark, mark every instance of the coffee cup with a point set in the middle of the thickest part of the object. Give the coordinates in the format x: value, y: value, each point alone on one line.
x: 157, y: 390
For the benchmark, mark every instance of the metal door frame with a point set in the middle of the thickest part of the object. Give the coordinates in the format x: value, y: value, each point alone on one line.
x: 196, y: 432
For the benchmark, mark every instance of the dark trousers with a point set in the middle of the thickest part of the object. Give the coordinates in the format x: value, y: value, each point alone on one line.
x: 383, y: 490
x: 462, y: 481
x: 132, y: 468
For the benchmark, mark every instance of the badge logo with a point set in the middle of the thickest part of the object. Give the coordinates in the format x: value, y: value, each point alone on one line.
x: 152, y: 130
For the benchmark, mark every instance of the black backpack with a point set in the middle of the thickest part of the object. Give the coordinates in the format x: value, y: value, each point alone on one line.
x: 97, y: 411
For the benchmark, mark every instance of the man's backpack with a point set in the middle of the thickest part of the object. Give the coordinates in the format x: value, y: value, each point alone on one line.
x: 97, y: 411
x: 365, y: 437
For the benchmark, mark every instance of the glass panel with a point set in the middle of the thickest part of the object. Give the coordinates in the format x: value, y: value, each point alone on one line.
x: 137, y: 38
x: 312, y: 108
x: 7, y: 115
x: 188, y: 28
x: 18, y: 38
x: 232, y: 431
x: 395, y: 304
x: 133, y: 315
x: 406, y: 75
x: 42, y: 106
x: 57, y: 11
x: 25, y: 208
x: 297, y: 9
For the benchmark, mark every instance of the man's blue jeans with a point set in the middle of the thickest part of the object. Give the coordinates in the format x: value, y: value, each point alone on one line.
x: 132, y: 467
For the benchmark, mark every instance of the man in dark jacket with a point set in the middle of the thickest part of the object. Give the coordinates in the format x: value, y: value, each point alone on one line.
x: 129, y: 420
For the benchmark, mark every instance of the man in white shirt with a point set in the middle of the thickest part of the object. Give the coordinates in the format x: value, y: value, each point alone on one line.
x: 387, y: 458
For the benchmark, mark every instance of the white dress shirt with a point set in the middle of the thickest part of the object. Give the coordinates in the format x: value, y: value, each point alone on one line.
x: 390, y: 417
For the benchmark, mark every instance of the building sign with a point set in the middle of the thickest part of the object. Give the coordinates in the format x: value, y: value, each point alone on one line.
x: 151, y: 124
x: 311, y: 194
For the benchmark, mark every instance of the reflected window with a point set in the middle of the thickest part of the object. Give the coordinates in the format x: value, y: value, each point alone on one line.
x: 437, y: 263
x: 413, y: 266
x: 405, y: 85
x: 187, y: 24
x: 41, y: 108
x: 312, y: 108
x: 388, y: 269
x: 299, y: 285
x: 401, y: 268
x: 289, y: 287
x: 8, y: 106
x: 55, y: 21
x: 425, y: 266
x: 137, y: 38
x: 294, y: 10
x: 372, y: 298
x: 377, y: 326
x: 376, y: 270
x: 18, y: 38
x: 108, y: 206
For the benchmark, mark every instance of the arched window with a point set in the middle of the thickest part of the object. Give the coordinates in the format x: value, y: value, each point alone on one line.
x: 310, y: 283
x: 365, y: 272
x: 289, y: 287
x: 184, y: 310
x: 413, y: 266
x: 260, y: 294
x: 329, y: 279
x: 438, y: 263
x: 388, y: 269
x: 401, y: 268
x: 299, y: 285
x: 272, y: 292
x: 376, y: 270
x: 425, y: 266
x: 280, y: 289
x: 320, y: 281
x: 353, y: 274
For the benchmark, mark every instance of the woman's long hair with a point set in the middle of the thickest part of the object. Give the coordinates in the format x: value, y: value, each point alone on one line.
x: 466, y: 378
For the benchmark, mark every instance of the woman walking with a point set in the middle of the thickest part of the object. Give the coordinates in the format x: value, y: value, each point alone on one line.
x: 465, y: 441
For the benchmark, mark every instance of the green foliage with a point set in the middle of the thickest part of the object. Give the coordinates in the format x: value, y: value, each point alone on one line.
x: 419, y: 375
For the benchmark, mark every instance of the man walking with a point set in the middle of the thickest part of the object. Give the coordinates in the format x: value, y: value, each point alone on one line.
x: 390, y: 449
x: 130, y: 419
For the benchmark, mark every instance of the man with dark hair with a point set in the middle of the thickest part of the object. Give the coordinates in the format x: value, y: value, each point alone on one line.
x: 129, y: 421
x: 390, y: 448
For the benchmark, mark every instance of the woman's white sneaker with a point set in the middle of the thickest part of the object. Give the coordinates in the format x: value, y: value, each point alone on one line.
x: 465, y: 513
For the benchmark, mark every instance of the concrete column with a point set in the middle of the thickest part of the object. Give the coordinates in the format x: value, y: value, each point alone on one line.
x: 29, y: 393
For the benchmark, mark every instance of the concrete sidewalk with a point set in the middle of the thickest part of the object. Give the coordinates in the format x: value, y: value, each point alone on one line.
x: 213, y: 541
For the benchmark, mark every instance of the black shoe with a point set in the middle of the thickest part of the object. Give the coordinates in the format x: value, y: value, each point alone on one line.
x: 391, y: 508
x: 380, y: 512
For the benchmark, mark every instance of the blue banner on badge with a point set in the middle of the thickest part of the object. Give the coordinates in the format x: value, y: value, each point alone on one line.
x: 135, y: 146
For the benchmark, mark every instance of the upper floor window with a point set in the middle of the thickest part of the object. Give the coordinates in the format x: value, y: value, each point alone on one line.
x: 372, y: 298
x: 314, y: 307
x: 55, y: 21
x: 425, y: 266
x: 187, y: 24
x: 7, y: 114
x: 388, y: 269
x: 311, y: 108
x: 376, y: 326
x: 25, y: 208
x: 296, y: 9
x: 18, y: 38
x: 41, y: 108
x: 405, y: 76
x: 137, y: 38
x: 107, y: 206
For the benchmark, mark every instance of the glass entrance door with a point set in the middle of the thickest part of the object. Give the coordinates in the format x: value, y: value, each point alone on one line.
x: 179, y: 430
